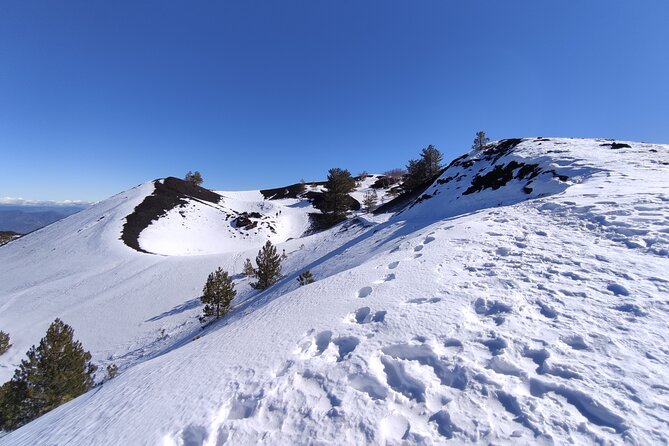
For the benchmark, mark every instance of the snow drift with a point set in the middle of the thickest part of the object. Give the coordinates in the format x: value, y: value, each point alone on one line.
x: 521, y: 299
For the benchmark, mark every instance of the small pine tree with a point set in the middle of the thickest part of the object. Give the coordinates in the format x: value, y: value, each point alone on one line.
x: 4, y: 342
x: 369, y: 200
x: 301, y: 187
x: 55, y: 372
x: 248, y: 269
x: 336, y: 201
x: 217, y: 294
x: 194, y: 177
x: 481, y: 141
x: 268, y: 271
x: 421, y: 170
x: 112, y: 371
x: 306, y: 278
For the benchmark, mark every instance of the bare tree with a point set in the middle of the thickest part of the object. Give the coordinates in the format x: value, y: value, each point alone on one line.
x: 369, y: 200
x: 395, y: 174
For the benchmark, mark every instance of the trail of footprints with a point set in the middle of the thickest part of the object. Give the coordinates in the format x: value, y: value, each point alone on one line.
x: 393, y: 359
x: 396, y: 360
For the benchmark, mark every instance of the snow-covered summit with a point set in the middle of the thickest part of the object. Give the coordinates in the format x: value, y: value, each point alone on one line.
x: 522, y: 298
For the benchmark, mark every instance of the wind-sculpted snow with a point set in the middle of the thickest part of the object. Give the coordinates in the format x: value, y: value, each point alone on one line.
x: 495, y: 317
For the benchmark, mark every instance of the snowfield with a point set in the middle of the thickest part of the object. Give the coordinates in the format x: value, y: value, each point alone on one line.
x: 522, y: 299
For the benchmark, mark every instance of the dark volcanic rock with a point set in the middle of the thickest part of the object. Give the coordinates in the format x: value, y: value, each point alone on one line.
x: 501, y: 175
x: 242, y: 221
x: 169, y: 193
x: 383, y: 183
x: 292, y: 191
x: 617, y: 145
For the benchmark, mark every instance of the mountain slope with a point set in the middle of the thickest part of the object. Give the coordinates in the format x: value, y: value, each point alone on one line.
x: 485, y: 313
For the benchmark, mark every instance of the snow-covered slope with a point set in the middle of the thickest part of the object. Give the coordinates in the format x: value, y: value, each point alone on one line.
x: 205, y: 228
x: 513, y: 303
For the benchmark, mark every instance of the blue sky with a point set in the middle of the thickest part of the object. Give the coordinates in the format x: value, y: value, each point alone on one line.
x: 96, y: 97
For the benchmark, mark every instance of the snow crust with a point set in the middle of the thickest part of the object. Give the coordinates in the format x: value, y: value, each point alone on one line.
x: 499, y: 316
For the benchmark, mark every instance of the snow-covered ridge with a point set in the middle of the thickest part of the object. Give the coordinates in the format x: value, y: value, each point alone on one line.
x: 499, y: 315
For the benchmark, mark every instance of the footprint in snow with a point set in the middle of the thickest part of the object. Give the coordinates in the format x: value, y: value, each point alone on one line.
x: 393, y: 265
x: 345, y: 345
x: 319, y: 344
x: 428, y: 239
x: 502, y: 251
x: 363, y: 382
x: 576, y: 342
x: 364, y: 291
x: 496, y: 345
x: 387, y: 278
x: 418, y: 248
x: 618, y: 290
x: 365, y: 315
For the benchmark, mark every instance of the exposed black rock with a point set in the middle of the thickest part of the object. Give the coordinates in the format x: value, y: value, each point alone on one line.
x: 502, y: 174
x: 502, y: 148
x: 383, y: 183
x: 616, y: 145
x: 406, y: 197
x: 169, y: 193
x: 293, y: 191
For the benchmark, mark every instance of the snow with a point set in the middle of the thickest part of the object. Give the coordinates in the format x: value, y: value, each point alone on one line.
x: 492, y: 317
x: 204, y: 228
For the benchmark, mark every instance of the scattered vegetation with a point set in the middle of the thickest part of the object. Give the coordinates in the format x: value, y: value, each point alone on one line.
x: 423, y: 169
x: 336, y: 201
x: 395, y: 175
x: 195, y: 178
x: 55, y: 372
x: 268, y: 271
x: 248, y: 269
x: 370, y: 200
x: 305, y: 278
x: 8, y: 236
x: 112, y: 371
x: 481, y: 141
x: 4, y: 342
x: 217, y: 294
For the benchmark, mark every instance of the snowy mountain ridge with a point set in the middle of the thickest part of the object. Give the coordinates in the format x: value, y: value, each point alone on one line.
x: 521, y: 299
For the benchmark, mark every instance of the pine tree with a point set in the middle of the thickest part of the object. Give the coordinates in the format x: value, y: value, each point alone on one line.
x: 481, y: 141
x: 369, y: 200
x: 194, y: 177
x: 112, y: 371
x: 4, y: 342
x: 217, y: 294
x: 248, y: 269
x: 306, y: 278
x: 336, y: 201
x: 424, y: 169
x: 55, y: 372
x: 301, y: 187
x: 268, y: 271
x: 432, y: 159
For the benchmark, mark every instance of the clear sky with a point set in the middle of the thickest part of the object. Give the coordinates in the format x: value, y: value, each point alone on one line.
x: 98, y: 96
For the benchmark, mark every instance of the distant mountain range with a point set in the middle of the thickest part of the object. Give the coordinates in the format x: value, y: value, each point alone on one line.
x: 24, y: 218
